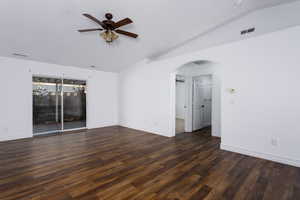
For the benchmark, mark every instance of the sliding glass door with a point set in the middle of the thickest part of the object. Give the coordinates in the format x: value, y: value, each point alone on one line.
x: 58, y: 105
x: 74, y: 103
x: 46, y: 105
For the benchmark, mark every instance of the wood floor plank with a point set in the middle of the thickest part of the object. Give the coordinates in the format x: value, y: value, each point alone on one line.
x: 125, y: 164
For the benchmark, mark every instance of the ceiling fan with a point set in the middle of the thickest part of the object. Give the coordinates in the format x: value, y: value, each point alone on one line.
x: 109, y: 27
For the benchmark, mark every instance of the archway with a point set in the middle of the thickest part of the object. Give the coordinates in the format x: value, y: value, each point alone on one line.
x: 188, y: 75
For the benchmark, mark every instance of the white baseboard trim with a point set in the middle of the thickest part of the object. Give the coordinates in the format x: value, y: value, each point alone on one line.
x: 15, y: 139
x: 144, y: 130
x: 266, y: 156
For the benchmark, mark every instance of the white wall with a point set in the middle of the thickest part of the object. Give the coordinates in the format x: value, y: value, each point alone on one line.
x: 16, y: 95
x: 264, y: 71
x: 145, y: 98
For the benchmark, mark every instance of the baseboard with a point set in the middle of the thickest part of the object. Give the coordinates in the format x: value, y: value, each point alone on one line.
x: 103, y: 127
x: 179, y: 118
x: 266, y: 156
x: 58, y: 133
x: 145, y: 130
x: 16, y: 139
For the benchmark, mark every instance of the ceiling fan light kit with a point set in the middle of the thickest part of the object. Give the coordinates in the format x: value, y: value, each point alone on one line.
x: 109, y: 27
x: 109, y: 36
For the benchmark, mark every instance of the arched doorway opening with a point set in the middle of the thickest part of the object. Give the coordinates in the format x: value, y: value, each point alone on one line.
x: 197, y: 97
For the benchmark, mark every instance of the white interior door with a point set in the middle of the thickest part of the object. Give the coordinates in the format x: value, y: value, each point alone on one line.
x: 202, y: 99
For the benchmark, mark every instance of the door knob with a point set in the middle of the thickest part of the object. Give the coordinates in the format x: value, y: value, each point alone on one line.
x: 202, y: 106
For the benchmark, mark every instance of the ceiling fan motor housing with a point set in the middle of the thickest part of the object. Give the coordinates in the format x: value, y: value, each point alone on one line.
x: 108, y: 16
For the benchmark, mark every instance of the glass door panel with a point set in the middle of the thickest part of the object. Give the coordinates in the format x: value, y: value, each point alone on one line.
x: 74, y: 104
x: 46, y: 105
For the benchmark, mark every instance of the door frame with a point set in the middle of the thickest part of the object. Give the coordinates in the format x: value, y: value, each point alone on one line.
x: 62, y: 77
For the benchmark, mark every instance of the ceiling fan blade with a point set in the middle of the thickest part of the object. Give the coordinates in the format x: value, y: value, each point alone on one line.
x: 123, y: 22
x: 127, y: 33
x: 88, y: 30
x: 95, y: 20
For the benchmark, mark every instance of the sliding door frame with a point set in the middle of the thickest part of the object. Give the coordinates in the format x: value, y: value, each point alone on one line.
x: 62, y: 130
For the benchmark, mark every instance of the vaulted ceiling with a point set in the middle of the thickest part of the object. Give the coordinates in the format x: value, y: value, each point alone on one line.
x: 46, y: 30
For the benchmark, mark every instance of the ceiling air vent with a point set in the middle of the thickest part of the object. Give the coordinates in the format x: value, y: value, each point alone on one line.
x: 247, y: 31
x: 20, y: 55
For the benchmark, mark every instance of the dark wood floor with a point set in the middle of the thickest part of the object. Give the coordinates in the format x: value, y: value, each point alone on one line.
x: 119, y: 163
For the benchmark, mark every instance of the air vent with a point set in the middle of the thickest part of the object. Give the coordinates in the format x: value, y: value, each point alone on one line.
x: 247, y: 31
x: 20, y: 55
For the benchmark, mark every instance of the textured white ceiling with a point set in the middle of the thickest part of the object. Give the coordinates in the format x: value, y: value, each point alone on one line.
x: 46, y: 30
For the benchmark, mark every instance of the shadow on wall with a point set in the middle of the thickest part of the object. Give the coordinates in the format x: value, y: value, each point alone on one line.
x: 205, y: 75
